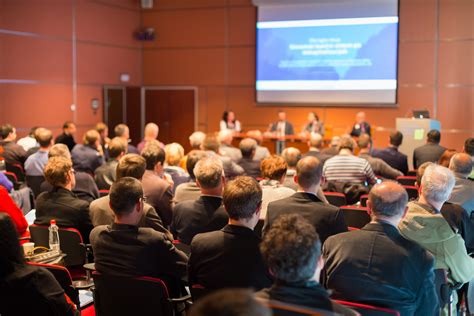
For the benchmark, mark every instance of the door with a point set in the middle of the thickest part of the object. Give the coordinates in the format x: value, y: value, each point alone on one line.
x: 114, y: 109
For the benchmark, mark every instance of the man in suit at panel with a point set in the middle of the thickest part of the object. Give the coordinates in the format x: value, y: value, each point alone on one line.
x: 206, y: 213
x: 282, y: 126
x: 327, y: 219
x: 230, y: 257
x: 376, y: 265
x: 391, y: 155
x: 431, y: 151
x: 360, y: 126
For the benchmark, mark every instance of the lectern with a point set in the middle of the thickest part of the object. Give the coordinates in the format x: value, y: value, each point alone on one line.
x: 414, y: 132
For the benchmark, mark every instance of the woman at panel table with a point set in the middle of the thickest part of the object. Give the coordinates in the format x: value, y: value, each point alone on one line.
x: 229, y: 122
x: 314, y: 125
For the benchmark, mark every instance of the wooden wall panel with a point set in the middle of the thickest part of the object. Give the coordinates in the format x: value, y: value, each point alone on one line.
x: 417, y: 20
x: 454, y: 67
x: 456, y: 19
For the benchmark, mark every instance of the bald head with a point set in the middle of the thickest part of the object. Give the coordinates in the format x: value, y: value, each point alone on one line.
x: 461, y: 164
x: 151, y: 131
x: 309, y: 171
x: 291, y: 155
x: 255, y: 134
x: 225, y: 137
x: 316, y: 140
x: 388, y: 199
x: 360, y: 117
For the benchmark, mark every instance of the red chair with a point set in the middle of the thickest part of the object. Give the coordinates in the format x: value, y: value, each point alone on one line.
x: 356, y: 217
x: 12, y: 177
x: 406, y: 180
x: 17, y: 170
x: 411, y: 173
x: 412, y: 192
x: 335, y: 198
x: 363, y: 200
x: 103, y: 193
x: 369, y: 310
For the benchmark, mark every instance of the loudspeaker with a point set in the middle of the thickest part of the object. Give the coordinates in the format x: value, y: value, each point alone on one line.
x: 147, y: 4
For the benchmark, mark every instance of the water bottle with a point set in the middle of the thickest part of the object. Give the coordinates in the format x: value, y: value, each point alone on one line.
x: 54, y: 236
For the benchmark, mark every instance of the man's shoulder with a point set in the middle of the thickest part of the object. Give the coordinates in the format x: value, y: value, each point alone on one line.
x: 100, y: 203
x: 207, y: 238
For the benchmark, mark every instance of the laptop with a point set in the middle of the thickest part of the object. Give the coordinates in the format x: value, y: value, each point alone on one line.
x: 421, y: 114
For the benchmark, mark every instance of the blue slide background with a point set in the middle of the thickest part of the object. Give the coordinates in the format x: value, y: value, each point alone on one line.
x: 379, y: 45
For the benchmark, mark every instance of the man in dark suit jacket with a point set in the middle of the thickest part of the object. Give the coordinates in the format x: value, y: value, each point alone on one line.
x: 391, y: 155
x: 105, y: 175
x: 89, y: 156
x: 376, y: 265
x: 360, y: 126
x: 60, y: 203
x: 206, y: 213
x: 12, y: 153
x: 315, y: 144
x: 282, y: 125
x: 67, y: 136
x: 248, y: 147
x: 328, y: 220
x: 431, y: 151
x: 230, y: 257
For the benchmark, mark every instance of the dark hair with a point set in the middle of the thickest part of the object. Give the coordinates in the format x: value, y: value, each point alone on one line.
x: 193, y: 157
x: 242, y: 196
x: 67, y: 124
x: 153, y: 154
x: 469, y: 146
x: 131, y: 165
x: 12, y: 253
x: 363, y: 141
x: 124, y: 194
x: 433, y: 136
x: 309, y: 171
x: 273, y: 167
x: 117, y: 146
x: 43, y: 137
x: 225, y: 116
x: 291, y: 248
x: 33, y: 131
x: 390, y: 202
x: 316, y: 116
x: 396, y: 138
x: 6, y: 130
x: 229, y: 302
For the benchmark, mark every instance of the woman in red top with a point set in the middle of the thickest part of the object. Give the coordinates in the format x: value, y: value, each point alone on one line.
x: 8, y: 206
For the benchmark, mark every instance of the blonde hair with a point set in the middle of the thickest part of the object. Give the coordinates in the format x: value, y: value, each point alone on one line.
x: 174, y: 152
x: 56, y: 170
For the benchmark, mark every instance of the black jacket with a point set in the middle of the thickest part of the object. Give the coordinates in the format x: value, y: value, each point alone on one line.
x: 393, y: 158
x: 376, y: 265
x: 229, y: 257
x: 200, y: 216
x: 460, y: 221
x: 65, y: 139
x: 428, y: 152
x: 357, y: 129
x: 66, y: 208
x: 251, y: 167
x: 327, y: 219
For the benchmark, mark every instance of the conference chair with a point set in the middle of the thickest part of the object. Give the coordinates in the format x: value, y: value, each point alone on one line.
x: 17, y: 170
x: 412, y: 192
x: 411, y: 173
x: 145, y: 296
x: 363, y: 200
x: 103, y: 193
x: 12, y: 177
x: 369, y: 310
x: 335, y: 198
x: 34, y: 183
x: 407, y: 180
x: 354, y: 216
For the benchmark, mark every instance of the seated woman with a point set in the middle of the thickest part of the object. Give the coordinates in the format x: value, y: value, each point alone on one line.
x: 8, y: 206
x: 314, y: 125
x: 26, y: 289
x: 229, y: 122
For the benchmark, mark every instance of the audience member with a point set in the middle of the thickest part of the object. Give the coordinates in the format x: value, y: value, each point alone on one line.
x: 130, y: 165
x: 292, y: 251
x: 26, y: 289
x: 431, y: 151
x: 314, y: 125
x: 190, y: 190
x: 61, y: 203
x: 151, y: 133
x: 360, y: 126
x: 225, y: 139
x: 261, y: 152
x: 463, y: 191
x: 174, y: 153
x: 315, y: 145
x: 291, y: 155
x: 273, y: 171
x: 67, y: 136
x: 157, y: 190
x: 127, y: 249
x: 229, y: 302
x: 12, y: 153
x: 229, y: 123
x: 230, y: 257
x: 105, y: 175
x: 332, y: 150
x: 469, y: 149
x: 393, y: 272
x: 446, y: 157
x: 29, y: 141
x: 206, y: 213
x: 391, y: 155
x: 122, y: 131
x: 380, y: 167
x: 282, y: 126
x: 196, y: 139
x: 103, y: 131
x: 89, y: 156
x: 328, y: 220
x: 211, y: 146
x: 425, y: 225
x: 8, y: 206
x: 34, y: 164
x: 248, y: 147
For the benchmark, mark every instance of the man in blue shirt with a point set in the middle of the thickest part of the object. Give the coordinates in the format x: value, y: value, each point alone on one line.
x: 35, y: 163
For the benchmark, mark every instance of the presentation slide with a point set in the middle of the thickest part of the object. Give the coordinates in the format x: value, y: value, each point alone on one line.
x: 330, y: 61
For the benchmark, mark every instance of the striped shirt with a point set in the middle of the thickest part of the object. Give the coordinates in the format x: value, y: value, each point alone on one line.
x: 349, y: 169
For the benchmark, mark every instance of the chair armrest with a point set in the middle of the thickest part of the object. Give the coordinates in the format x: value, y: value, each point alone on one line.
x: 181, y: 299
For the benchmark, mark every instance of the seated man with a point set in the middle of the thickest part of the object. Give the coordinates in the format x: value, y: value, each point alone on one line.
x: 380, y: 167
x: 392, y: 272
x: 315, y: 144
x: 248, y: 147
x: 261, y: 152
x: 328, y: 220
x: 431, y: 151
x: 469, y: 149
x: 206, y: 213
x: 225, y: 138
x: 174, y: 153
x: 89, y: 156
x: 67, y: 136
x: 291, y: 155
x: 292, y: 250
x: 105, y: 174
x: 150, y: 132
x: 211, y: 146
x: 425, y: 225
x: 190, y: 190
x: 34, y: 164
x: 61, y: 203
x: 122, y: 131
x: 11, y: 153
x: 130, y: 165
x: 157, y: 190
x: 230, y: 257
x: 463, y: 191
x: 127, y: 249
x: 391, y: 155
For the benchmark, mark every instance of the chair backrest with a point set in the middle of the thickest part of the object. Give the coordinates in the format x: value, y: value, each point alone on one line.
x: 64, y: 279
x: 335, y: 198
x: 17, y: 170
x: 355, y: 216
x: 70, y: 240
x: 34, y: 182
x: 369, y: 310
x: 406, y: 180
x: 198, y: 291
x: 284, y: 309
x: 412, y: 192
x: 363, y: 200
x: 119, y: 296
x: 411, y: 173
x: 103, y: 193
x: 11, y: 176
